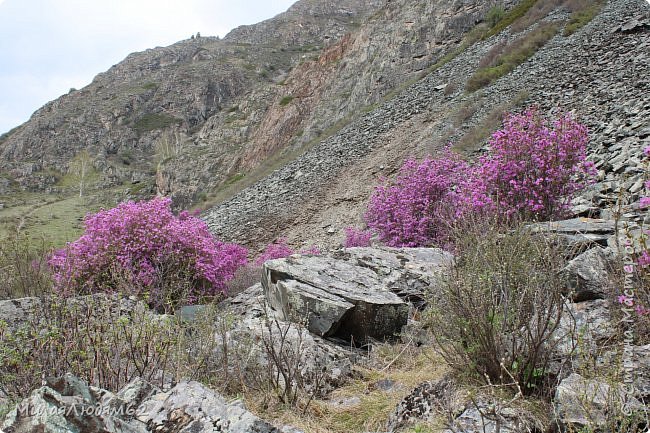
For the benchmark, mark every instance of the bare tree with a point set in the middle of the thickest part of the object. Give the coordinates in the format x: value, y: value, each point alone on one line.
x: 81, y: 168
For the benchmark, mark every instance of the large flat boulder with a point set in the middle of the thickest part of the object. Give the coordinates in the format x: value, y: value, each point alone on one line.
x: 333, y: 298
x: 579, y: 233
x: 410, y: 273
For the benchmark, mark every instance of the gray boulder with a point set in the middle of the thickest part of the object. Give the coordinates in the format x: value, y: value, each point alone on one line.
x: 588, y: 275
x: 578, y: 233
x: 410, y: 273
x: 581, y: 402
x: 444, y: 399
x: 67, y: 404
x: 494, y: 417
x: 323, y: 365
x: 333, y: 298
x: 190, y: 407
x: 426, y: 401
x: 16, y: 312
x: 584, y: 328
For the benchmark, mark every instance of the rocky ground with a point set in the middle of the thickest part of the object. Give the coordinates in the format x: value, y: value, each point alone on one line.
x: 356, y: 296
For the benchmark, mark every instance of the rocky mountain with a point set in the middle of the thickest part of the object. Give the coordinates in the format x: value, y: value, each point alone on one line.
x: 599, y: 73
x: 287, y: 124
x: 227, y: 105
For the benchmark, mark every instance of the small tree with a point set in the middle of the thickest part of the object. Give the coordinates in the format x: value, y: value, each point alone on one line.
x: 144, y: 249
x: 81, y: 169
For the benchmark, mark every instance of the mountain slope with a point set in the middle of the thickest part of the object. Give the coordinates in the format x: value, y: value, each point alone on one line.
x: 314, y: 197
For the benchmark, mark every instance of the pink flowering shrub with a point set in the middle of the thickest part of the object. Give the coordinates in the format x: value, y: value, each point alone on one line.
x: 276, y: 250
x: 355, y: 237
x: 312, y: 250
x: 148, y: 249
x: 279, y: 250
x: 415, y: 209
x: 532, y: 171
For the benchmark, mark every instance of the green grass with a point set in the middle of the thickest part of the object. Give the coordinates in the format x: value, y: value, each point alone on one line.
x: 235, y: 178
x: 55, y: 218
x: 582, y: 17
x: 512, y: 56
x: 509, y: 17
x: 286, y: 100
x: 152, y: 121
x: 150, y: 85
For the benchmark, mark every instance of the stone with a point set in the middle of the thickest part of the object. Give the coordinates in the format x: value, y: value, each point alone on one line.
x: 578, y: 233
x: 588, y: 276
x: 16, y: 312
x: 584, y: 327
x: 494, y: 417
x: 581, y: 402
x: 76, y: 410
x: 190, y: 407
x: 67, y: 404
x: 426, y: 401
x: 324, y: 364
x: 411, y: 273
x: 334, y: 297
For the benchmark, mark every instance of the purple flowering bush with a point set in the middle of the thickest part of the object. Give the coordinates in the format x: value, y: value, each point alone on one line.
x: 415, y: 209
x: 279, y: 250
x: 275, y: 250
x: 355, y: 237
x: 531, y: 172
x: 533, y: 169
x: 144, y: 249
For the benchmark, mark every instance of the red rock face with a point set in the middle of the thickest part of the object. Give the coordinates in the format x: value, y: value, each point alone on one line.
x: 304, y: 87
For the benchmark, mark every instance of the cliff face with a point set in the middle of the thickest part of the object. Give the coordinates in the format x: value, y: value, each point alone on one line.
x: 284, y: 83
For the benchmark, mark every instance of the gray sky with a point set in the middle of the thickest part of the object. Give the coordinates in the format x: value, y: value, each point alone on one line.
x: 49, y: 46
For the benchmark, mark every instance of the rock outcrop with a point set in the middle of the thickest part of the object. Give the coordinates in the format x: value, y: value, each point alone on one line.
x: 315, y: 196
x: 353, y: 295
x: 68, y: 404
x: 333, y: 297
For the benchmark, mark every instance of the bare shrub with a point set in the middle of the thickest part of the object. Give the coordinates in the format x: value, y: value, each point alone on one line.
x: 105, y: 341
x: 245, y: 277
x: 23, y: 267
x: 500, y: 306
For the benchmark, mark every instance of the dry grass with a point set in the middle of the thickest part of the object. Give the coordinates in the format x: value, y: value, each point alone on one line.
x: 404, y: 364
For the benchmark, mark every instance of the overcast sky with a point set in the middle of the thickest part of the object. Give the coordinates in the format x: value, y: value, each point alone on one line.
x: 50, y: 46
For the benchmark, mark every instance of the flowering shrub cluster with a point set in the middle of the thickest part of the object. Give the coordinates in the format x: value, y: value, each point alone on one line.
x: 149, y: 248
x: 279, y: 249
x: 355, y: 237
x: 534, y: 170
x: 415, y: 208
x: 531, y: 172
